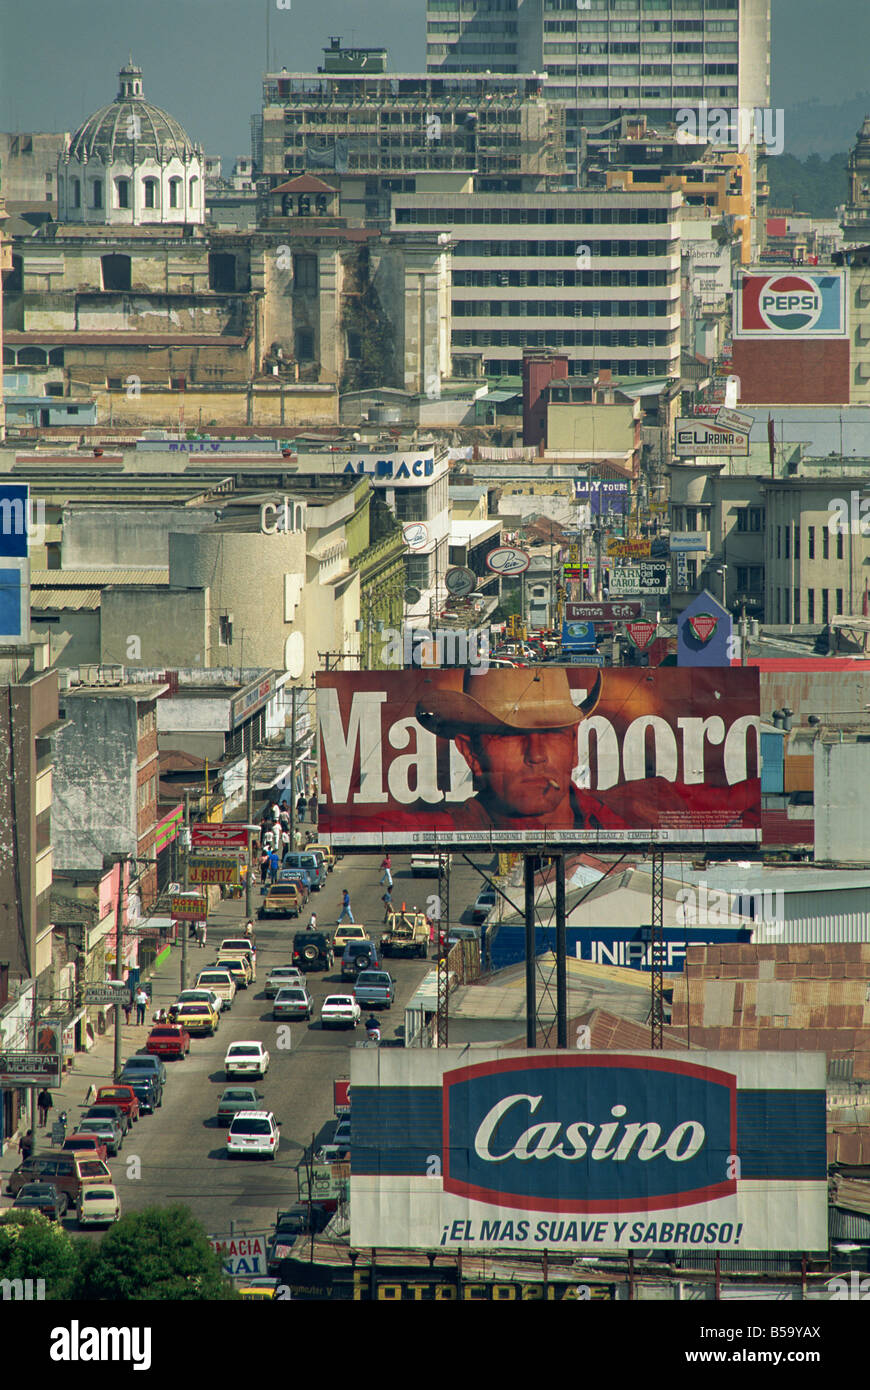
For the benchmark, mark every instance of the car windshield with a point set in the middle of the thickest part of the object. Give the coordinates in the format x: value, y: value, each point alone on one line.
x: 188, y: 1010
x: 337, y: 1000
x: 143, y: 1063
x: 373, y: 977
x: 97, y: 1194
x: 284, y: 995
x: 237, y: 1096
x: 244, y: 1050
x: 215, y: 977
x: 250, y: 1127
x: 166, y: 1033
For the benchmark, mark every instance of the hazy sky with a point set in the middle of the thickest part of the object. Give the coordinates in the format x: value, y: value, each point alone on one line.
x: 203, y: 59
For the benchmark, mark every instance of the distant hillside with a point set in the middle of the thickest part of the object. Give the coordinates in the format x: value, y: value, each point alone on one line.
x: 816, y: 186
x: 812, y: 128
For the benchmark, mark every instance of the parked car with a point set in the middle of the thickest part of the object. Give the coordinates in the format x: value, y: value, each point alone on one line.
x: 309, y: 863
x: 483, y: 904
x: 282, y: 900
x: 240, y: 945
x: 359, y: 955
x: 235, y: 1099
x: 149, y: 1066
x: 259, y: 1288
x: 107, y: 1112
x: 65, y: 1171
x: 253, y: 1132
x: 219, y: 980
x: 312, y: 950
x: 281, y: 977
x: 246, y: 1059
x: 108, y: 1131
x: 85, y: 1143
x: 199, y: 1019
x: 348, y: 931
x: 42, y: 1197
x: 148, y: 1089
x: 123, y: 1096
x: 168, y: 1040
x: 326, y: 853
x: 290, y: 1225
x: 293, y: 1001
x: 340, y: 1011
x: 238, y: 966
x: 98, y: 1205
x: 375, y: 989
x: 301, y: 878
x: 198, y: 996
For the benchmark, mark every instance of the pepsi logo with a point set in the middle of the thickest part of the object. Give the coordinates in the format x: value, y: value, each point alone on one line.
x: 790, y: 303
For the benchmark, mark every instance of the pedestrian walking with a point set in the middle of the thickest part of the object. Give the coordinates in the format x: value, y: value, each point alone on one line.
x: 345, y: 908
x: 312, y: 807
x: 25, y: 1145
x: 204, y: 934
x: 44, y: 1104
x: 387, y: 866
x: 141, y: 1006
x: 312, y: 922
x: 273, y: 866
x: 285, y: 819
x: 387, y: 901
x: 200, y: 930
x: 264, y: 865
x: 300, y: 807
x: 128, y: 1008
x: 249, y: 929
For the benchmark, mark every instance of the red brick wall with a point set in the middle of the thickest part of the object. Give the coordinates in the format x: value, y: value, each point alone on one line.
x: 773, y: 371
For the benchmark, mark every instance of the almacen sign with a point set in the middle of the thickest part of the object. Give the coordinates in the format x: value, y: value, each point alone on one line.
x: 583, y: 1151
x: 545, y: 755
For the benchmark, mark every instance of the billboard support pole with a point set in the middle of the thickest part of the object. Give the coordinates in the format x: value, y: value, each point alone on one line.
x: 561, y: 956
x: 442, y: 935
x: 531, y: 990
x: 657, y: 951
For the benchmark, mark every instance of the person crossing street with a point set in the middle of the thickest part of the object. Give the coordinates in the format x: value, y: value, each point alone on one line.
x: 345, y: 908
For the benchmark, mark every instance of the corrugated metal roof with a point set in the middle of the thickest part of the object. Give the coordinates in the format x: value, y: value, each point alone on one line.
x: 69, y: 599
x: 80, y: 579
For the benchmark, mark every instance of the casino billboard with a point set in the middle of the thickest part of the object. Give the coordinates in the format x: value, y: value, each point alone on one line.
x: 629, y: 1151
x: 790, y: 305
x: 539, y: 755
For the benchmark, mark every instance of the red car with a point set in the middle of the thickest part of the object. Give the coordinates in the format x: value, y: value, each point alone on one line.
x: 86, y: 1144
x: 168, y: 1040
x: 123, y: 1096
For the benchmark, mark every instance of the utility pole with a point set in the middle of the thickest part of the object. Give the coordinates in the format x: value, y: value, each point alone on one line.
x: 743, y: 635
x: 292, y: 768
x: 119, y: 963
x: 598, y: 563
x: 185, y: 926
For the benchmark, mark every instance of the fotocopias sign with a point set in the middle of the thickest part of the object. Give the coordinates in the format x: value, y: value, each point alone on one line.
x: 589, y: 1151
x: 551, y: 754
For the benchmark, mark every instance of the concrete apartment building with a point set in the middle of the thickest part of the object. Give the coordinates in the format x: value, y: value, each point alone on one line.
x: 609, y: 56
x: 599, y: 273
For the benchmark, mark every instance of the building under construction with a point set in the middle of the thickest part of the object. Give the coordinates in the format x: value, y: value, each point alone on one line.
x: 383, y: 132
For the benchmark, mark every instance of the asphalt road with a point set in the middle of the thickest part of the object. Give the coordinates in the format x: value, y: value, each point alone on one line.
x: 178, y: 1153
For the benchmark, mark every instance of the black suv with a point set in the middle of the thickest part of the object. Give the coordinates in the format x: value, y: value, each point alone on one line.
x: 148, y: 1089
x: 312, y: 950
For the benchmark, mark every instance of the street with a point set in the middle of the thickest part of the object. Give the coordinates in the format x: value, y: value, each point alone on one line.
x: 178, y: 1153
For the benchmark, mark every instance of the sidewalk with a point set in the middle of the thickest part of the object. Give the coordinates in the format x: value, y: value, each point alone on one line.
x: 95, y: 1068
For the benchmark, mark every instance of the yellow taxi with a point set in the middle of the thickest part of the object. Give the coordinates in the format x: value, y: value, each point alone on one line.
x: 239, y: 967
x: 198, y: 1017
x: 259, y: 1288
x: 328, y: 856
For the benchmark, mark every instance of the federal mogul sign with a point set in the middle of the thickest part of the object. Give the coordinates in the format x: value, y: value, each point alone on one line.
x: 581, y: 1151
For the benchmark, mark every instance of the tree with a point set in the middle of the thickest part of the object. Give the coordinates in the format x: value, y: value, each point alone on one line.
x: 161, y: 1253
x: 32, y: 1247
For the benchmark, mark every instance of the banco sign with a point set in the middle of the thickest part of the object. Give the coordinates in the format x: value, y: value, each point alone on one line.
x: 791, y: 305
x: 581, y: 1150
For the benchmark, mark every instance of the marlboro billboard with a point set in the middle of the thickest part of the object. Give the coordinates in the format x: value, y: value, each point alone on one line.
x: 550, y: 755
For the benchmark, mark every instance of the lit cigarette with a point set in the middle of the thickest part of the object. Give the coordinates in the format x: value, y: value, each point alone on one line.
x: 551, y: 782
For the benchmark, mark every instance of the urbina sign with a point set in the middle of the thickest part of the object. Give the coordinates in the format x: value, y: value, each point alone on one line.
x: 545, y: 755
x: 570, y: 1151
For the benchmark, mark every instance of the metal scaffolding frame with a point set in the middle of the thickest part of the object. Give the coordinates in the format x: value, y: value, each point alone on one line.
x: 442, y: 1015
x: 657, y: 951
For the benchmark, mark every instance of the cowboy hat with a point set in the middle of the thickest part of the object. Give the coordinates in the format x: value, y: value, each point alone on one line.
x: 505, y: 701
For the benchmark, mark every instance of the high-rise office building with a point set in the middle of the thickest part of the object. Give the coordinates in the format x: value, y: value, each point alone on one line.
x: 606, y: 57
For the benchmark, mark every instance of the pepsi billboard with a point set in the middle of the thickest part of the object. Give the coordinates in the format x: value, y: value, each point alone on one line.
x: 791, y: 305
x: 497, y: 1149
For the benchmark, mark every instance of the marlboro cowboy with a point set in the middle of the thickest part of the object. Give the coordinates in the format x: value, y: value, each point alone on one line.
x: 517, y: 730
